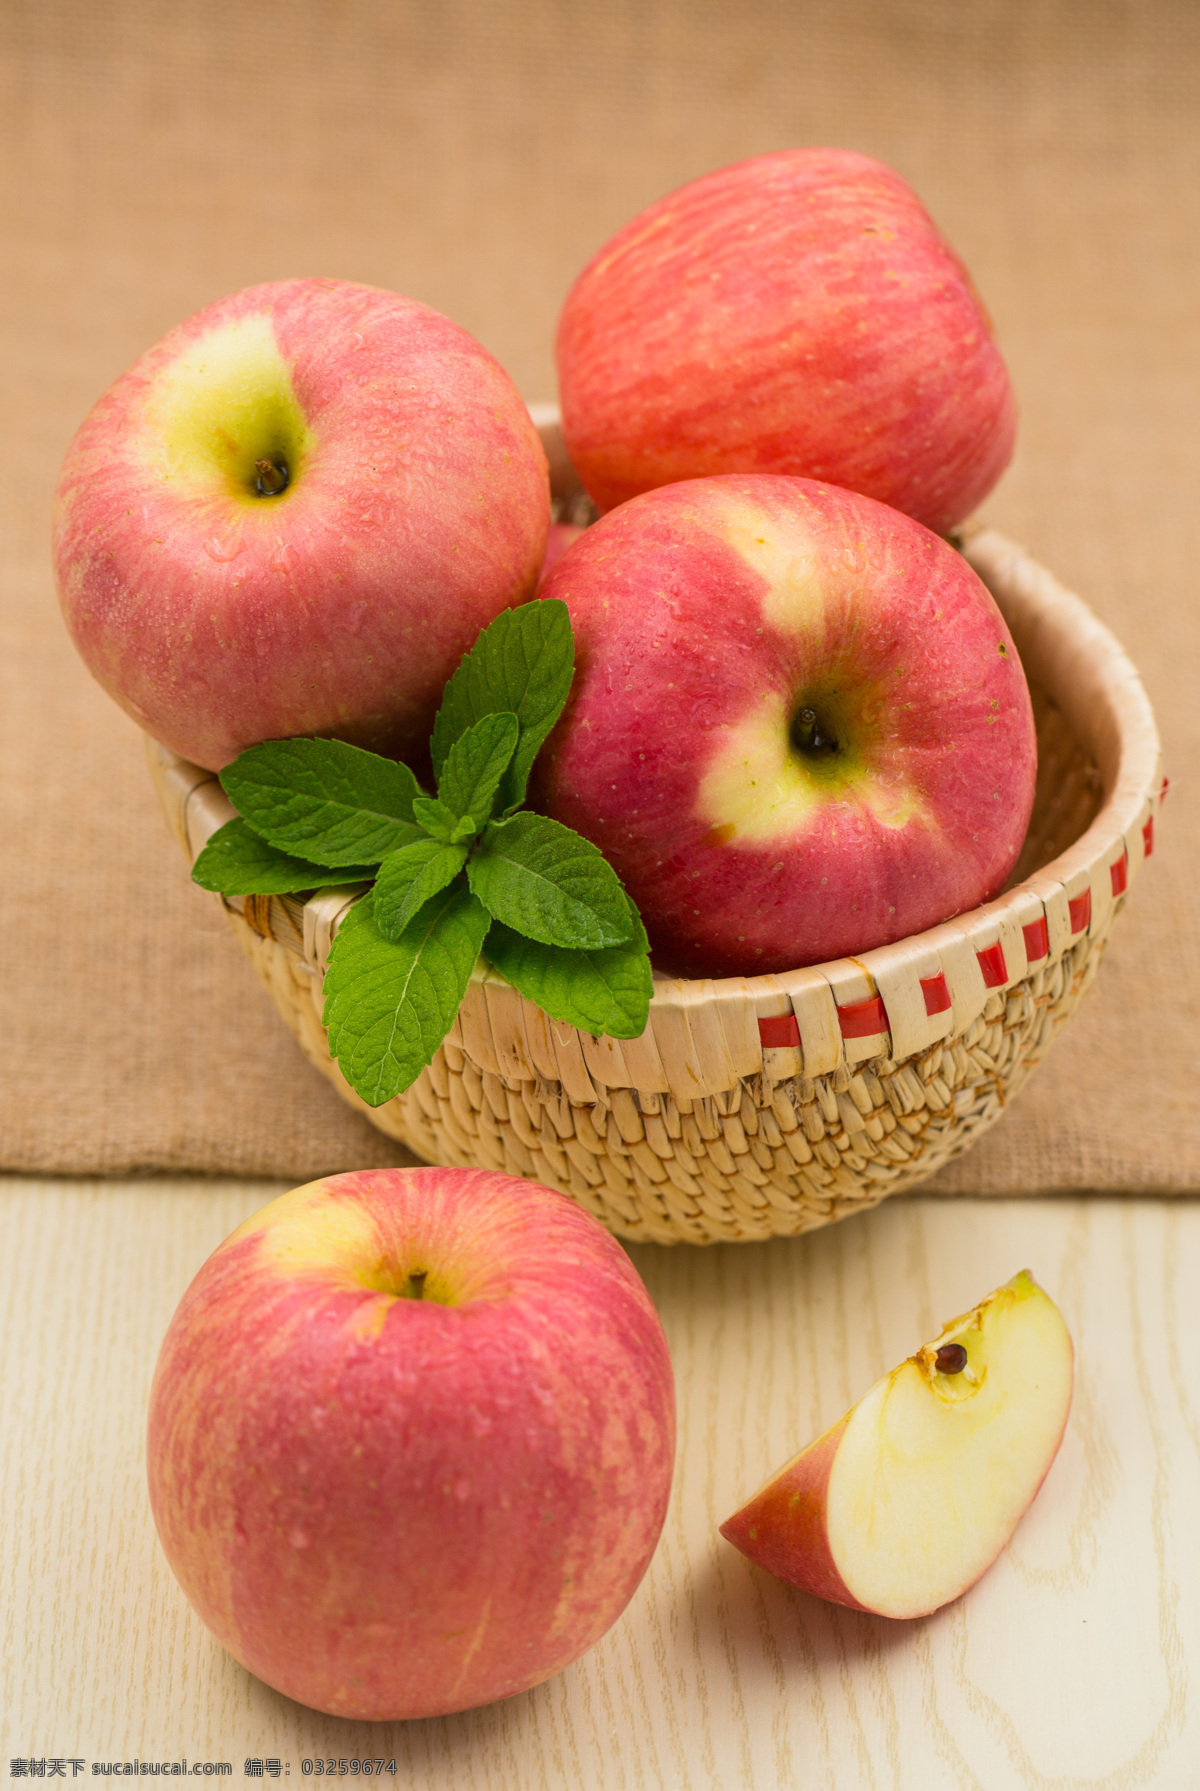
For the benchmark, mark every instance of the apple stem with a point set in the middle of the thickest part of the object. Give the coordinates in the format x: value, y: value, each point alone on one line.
x: 272, y: 477
x: 807, y: 735
x: 416, y: 1285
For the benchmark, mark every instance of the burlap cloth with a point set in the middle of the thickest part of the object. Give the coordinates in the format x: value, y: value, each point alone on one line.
x: 474, y: 154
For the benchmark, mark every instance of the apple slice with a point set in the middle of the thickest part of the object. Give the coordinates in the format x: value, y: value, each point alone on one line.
x: 910, y: 1497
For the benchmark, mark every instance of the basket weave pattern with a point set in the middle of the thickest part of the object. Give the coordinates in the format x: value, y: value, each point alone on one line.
x: 753, y: 1161
x: 765, y: 1105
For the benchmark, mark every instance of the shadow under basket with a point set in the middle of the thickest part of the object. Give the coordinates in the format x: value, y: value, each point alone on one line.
x: 754, y: 1106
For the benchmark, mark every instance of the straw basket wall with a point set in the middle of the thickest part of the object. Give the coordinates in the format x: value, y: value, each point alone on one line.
x: 763, y: 1105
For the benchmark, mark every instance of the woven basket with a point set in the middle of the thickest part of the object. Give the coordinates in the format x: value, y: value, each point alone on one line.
x: 762, y: 1105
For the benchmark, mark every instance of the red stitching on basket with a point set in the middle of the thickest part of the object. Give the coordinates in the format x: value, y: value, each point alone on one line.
x: 991, y: 962
x: 863, y: 1019
x: 936, y: 993
x: 1119, y: 873
x: 1080, y: 911
x: 1148, y: 837
x: 1037, y: 939
x: 777, y: 1031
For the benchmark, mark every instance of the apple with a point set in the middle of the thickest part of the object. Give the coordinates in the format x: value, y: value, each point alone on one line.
x: 410, y: 1440
x: 910, y: 1497
x: 795, y: 313
x: 799, y: 728
x: 560, y: 537
x: 293, y: 515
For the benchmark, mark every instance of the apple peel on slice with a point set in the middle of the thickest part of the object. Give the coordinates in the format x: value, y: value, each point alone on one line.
x: 910, y: 1497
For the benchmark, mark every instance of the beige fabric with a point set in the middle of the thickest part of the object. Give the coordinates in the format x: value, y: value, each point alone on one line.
x: 474, y: 154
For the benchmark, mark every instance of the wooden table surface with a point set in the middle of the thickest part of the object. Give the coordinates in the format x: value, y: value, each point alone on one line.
x: 1075, y: 1662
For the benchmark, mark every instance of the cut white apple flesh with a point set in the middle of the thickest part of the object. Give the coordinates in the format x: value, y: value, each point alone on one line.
x: 909, y: 1498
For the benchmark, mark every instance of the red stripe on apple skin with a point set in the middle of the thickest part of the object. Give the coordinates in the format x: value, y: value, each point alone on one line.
x: 782, y: 1528
x: 676, y: 649
x: 341, y: 606
x: 396, y: 1507
x: 795, y: 313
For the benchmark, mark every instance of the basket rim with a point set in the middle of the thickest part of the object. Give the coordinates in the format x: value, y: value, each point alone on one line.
x: 895, y: 1000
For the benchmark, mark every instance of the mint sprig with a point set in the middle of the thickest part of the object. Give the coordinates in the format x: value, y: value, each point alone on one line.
x: 598, y: 991
x: 471, y: 774
x: 549, y: 883
x: 238, y: 861
x: 324, y: 800
x: 523, y: 662
x: 410, y: 877
x: 392, y: 1001
x: 452, y: 872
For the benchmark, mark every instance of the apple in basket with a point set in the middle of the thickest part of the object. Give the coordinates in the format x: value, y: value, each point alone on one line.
x: 799, y: 728
x: 910, y: 1497
x: 795, y: 313
x: 411, y: 1438
x: 293, y: 515
x: 560, y: 537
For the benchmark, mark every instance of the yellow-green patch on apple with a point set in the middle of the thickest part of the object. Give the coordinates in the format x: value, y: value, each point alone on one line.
x: 910, y: 1497
x: 221, y: 408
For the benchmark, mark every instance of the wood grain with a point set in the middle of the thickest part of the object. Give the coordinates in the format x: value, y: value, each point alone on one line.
x: 1072, y: 1664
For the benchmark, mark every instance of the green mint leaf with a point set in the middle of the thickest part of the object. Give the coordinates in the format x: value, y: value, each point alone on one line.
x: 475, y: 765
x: 598, y: 991
x: 463, y: 830
x: 523, y: 662
x: 324, y: 800
x: 437, y: 820
x: 390, y: 1003
x: 409, y: 877
x: 237, y: 861
x: 546, y: 882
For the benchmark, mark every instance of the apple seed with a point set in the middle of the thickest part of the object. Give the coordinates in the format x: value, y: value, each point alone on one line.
x: 950, y: 1359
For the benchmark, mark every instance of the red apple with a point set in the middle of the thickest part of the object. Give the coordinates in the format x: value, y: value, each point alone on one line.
x: 799, y: 728
x: 410, y: 1441
x: 796, y: 313
x: 293, y: 516
x: 910, y: 1497
x: 561, y: 535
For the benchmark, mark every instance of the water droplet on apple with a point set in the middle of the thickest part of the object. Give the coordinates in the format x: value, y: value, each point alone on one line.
x: 222, y: 551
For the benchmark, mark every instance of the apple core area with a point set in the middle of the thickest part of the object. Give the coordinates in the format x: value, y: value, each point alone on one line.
x: 934, y: 1470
